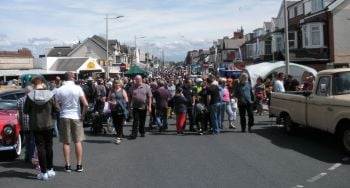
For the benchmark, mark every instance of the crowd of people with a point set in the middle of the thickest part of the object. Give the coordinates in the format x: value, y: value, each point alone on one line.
x: 201, y: 103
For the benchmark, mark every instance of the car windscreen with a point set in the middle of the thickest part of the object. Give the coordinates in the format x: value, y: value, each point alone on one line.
x: 341, y: 83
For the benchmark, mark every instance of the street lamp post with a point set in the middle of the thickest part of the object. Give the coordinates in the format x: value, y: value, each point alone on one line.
x: 136, y: 51
x: 286, y: 36
x: 109, y: 18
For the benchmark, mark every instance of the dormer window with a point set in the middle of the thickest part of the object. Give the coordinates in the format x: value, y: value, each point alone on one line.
x: 317, y: 5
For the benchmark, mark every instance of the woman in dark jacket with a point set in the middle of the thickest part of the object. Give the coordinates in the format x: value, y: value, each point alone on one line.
x: 180, y: 107
x: 41, y: 106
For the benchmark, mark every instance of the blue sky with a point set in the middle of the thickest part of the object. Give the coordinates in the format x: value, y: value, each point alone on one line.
x: 176, y: 26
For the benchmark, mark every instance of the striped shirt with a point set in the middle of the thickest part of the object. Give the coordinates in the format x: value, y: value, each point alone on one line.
x: 22, y: 117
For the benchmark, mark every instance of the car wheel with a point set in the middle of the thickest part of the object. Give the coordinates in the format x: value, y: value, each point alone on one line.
x: 345, y: 140
x: 18, y: 150
x: 289, y: 125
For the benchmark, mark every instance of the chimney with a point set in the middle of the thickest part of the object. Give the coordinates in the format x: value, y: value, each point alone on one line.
x: 239, y: 34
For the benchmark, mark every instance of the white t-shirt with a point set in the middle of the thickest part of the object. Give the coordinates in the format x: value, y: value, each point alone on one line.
x: 68, y: 96
x: 278, y: 86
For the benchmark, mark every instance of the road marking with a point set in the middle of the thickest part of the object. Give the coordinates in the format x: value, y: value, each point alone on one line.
x: 315, y: 178
x: 335, y: 166
x: 298, y: 186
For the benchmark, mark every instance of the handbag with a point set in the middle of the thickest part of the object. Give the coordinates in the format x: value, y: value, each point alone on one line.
x: 259, y: 95
x: 122, y: 109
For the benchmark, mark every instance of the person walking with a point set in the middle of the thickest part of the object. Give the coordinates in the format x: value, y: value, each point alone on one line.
x: 260, y: 95
x: 172, y: 90
x: 179, y: 103
x: 70, y: 97
x: 140, y: 97
x: 162, y: 97
x: 189, y: 93
x: 245, y: 98
x: 226, y: 105
x: 41, y: 105
x: 53, y: 89
x: 23, y: 120
x: 278, y: 85
x: 118, y: 100
x: 214, y: 104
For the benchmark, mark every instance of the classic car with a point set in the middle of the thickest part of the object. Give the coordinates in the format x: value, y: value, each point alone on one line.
x: 326, y: 107
x: 13, y: 94
x: 10, y: 137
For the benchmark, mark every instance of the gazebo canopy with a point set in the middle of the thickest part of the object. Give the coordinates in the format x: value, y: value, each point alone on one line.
x: 136, y: 70
x: 265, y: 70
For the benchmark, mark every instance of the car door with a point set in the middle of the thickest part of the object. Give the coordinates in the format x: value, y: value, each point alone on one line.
x: 318, y: 104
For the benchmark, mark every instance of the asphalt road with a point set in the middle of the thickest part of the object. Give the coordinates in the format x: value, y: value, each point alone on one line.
x: 265, y: 158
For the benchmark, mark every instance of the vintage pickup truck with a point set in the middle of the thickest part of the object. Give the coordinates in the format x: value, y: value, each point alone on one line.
x: 326, y: 107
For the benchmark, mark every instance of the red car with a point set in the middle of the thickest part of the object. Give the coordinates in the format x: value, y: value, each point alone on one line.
x: 10, y: 138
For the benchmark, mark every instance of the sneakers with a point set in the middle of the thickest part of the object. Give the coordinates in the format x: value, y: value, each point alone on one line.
x: 79, y: 168
x: 200, y: 132
x: 42, y: 176
x: 51, y: 173
x: 232, y: 126
x: 67, y: 168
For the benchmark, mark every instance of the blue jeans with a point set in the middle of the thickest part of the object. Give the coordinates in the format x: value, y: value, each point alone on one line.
x: 29, y: 144
x: 227, y: 106
x: 161, y: 118
x: 215, y: 117
x: 234, y: 108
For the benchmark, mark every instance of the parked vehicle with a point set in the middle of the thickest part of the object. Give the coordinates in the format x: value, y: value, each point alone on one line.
x: 10, y: 138
x: 326, y: 107
x: 13, y: 94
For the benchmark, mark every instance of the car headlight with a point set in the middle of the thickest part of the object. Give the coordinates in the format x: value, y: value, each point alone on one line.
x: 8, y: 130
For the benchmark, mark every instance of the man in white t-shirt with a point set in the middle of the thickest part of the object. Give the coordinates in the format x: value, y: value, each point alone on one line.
x: 278, y: 85
x: 70, y: 96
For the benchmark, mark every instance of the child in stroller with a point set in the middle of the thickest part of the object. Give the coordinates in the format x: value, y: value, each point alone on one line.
x: 100, y: 115
x: 199, y: 113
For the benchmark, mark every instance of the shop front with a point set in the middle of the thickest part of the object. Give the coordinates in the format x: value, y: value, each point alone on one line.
x: 83, y: 67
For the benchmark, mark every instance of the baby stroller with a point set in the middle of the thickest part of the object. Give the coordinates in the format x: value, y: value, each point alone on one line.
x: 101, y: 117
x: 199, y: 114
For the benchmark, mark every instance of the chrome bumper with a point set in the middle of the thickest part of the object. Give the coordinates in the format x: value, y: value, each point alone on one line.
x: 8, y: 148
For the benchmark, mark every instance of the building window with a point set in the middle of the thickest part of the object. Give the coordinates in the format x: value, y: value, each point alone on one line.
x: 305, y: 37
x: 279, y: 43
x: 268, y: 47
x: 249, y: 51
x: 300, y: 9
x: 88, y: 50
x: 291, y: 13
x: 292, y: 38
x: 317, y: 5
x: 313, y: 35
x: 296, y: 11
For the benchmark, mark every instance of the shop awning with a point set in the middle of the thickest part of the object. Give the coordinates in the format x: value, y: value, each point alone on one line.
x: 76, y: 65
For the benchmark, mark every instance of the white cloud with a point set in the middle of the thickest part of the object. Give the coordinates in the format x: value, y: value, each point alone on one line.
x: 177, y: 26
